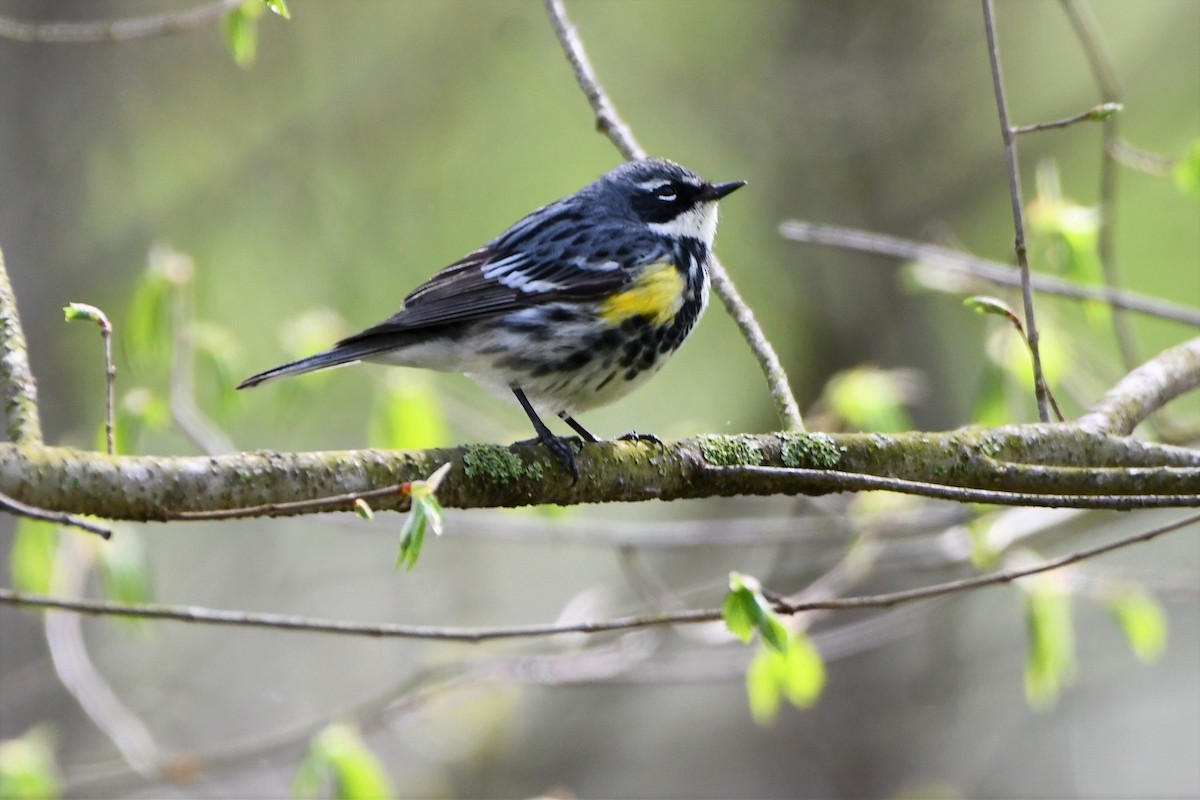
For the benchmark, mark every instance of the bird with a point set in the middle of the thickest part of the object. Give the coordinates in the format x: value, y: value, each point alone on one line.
x: 573, y: 307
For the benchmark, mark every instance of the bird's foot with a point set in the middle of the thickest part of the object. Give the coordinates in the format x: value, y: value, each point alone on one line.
x: 563, y: 448
x: 638, y: 438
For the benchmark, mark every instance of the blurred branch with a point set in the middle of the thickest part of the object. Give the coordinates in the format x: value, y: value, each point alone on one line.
x: 246, y: 619
x: 1018, y: 210
x: 185, y: 411
x: 994, y: 272
x: 1125, y: 154
x: 68, y: 653
x: 16, y: 380
x: 117, y: 30
x: 1146, y: 389
x: 611, y: 125
x: 430, y: 684
x: 1105, y: 73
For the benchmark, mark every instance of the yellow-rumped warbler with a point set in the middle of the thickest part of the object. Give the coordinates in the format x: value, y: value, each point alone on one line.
x: 571, y: 308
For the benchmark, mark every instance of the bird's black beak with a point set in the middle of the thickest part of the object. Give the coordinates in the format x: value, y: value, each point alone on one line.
x: 715, y: 191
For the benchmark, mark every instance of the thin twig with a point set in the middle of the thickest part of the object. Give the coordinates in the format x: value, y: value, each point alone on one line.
x: 93, y: 314
x: 768, y: 360
x: 1099, y: 113
x: 17, y: 387
x: 1018, y: 210
x: 246, y: 619
x: 839, y: 481
x: 333, y: 502
x: 993, y: 578
x: 1105, y: 72
x: 994, y: 272
x: 609, y: 122
x: 117, y: 30
x: 14, y: 506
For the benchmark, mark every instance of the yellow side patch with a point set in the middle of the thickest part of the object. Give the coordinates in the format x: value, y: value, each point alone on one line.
x: 657, y: 293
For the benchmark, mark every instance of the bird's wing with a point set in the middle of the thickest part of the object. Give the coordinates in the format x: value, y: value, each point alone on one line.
x: 494, y: 281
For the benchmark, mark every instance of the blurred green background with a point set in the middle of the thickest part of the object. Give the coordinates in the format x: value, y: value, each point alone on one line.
x: 373, y: 142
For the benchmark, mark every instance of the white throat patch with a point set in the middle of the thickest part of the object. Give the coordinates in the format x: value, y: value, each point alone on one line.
x: 698, y: 222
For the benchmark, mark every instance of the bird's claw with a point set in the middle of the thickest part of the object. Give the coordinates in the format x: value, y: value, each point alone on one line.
x: 638, y: 438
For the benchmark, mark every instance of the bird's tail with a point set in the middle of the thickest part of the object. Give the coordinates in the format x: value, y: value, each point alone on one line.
x: 333, y: 357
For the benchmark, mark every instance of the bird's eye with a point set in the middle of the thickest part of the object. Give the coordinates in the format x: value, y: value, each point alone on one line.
x: 665, y: 192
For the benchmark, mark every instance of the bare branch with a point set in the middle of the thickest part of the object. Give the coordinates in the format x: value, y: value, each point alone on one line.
x: 246, y: 619
x: 609, y: 122
x: 1145, y: 390
x: 117, y: 30
x: 994, y: 272
x: 1105, y: 73
x: 14, y: 506
x: 340, y: 502
x: 768, y: 360
x: 1018, y: 210
x: 1098, y: 113
x: 17, y: 385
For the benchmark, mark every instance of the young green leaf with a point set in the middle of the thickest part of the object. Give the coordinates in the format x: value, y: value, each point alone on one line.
x: 363, y: 509
x: 339, y: 758
x: 31, y: 560
x: 412, y: 535
x: 27, y: 768
x: 1104, y: 111
x: 1050, y: 656
x: 796, y: 674
x: 408, y: 416
x: 425, y: 515
x: 241, y: 34
x: 982, y: 304
x: 803, y: 671
x: 140, y: 409
x: 85, y: 312
x: 147, y: 333
x: 1142, y: 620
x: 125, y: 569
x: 1187, y: 171
x: 872, y: 399
x: 280, y: 7
x: 739, y: 611
x: 745, y: 602
x: 763, y: 685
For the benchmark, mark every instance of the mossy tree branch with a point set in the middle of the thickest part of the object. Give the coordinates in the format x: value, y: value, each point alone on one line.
x: 17, y: 386
x: 1056, y: 465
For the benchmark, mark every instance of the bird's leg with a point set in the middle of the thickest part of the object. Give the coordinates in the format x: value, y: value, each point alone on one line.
x: 587, y: 435
x: 559, y: 446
